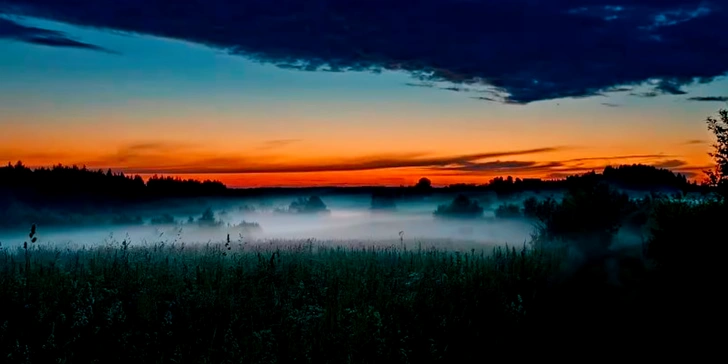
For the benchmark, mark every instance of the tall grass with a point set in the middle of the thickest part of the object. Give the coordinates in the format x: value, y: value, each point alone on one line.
x: 307, y: 302
x: 235, y: 303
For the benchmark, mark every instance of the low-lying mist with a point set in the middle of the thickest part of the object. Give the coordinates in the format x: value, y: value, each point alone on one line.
x: 349, y: 220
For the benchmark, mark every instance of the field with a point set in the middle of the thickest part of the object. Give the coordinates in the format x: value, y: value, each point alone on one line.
x: 320, y: 302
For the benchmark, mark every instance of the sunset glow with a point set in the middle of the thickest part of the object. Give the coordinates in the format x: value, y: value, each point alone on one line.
x: 173, y: 108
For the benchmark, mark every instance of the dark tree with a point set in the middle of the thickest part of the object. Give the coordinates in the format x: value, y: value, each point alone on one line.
x: 508, y: 211
x: 460, y: 207
x: 424, y: 183
x: 719, y: 127
x: 311, y: 205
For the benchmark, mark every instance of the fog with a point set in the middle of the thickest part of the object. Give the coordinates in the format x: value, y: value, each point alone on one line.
x: 350, y: 221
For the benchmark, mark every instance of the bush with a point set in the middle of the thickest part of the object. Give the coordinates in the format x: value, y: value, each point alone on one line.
x: 165, y: 219
x: 676, y: 226
x: 508, y: 211
x: 460, y: 207
x: 311, y: 205
x: 248, y: 226
x: 530, y: 208
x: 383, y: 202
x: 124, y: 219
x: 246, y: 208
x: 208, y: 219
x: 588, y: 215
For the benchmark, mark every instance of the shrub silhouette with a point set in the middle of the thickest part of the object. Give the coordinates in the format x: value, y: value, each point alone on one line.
x: 508, y: 211
x: 165, y: 219
x: 589, y: 214
x: 719, y: 176
x: 639, y: 210
x: 208, y: 219
x: 676, y: 224
x: 460, y: 207
x: 382, y: 202
x: 530, y: 208
x: 248, y: 226
x: 311, y: 205
x: 123, y: 219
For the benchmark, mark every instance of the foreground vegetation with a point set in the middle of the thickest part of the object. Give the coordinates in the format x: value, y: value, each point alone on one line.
x: 235, y: 302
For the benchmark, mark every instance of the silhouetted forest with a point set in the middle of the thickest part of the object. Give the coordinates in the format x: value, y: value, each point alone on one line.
x: 27, y: 194
x: 73, y: 185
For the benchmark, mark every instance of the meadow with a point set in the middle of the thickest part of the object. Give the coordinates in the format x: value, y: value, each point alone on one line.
x: 321, y: 302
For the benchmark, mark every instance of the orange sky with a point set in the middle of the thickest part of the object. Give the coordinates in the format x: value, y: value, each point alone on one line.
x: 262, y: 167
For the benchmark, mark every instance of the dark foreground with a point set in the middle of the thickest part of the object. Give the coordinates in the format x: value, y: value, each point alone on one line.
x: 236, y: 304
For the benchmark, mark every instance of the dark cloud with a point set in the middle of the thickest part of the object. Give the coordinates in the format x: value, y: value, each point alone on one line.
x: 558, y: 169
x: 671, y: 87
x: 455, y: 88
x: 709, y: 98
x: 10, y: 29
x: 484, y: 98
x: 622, y: 158
x: 618, y: 89
x: 503, y: 167
x: 420, y: 84
x: 610, y: 104
x: 695, y: 141
x: 528, y: 50
x: 645, y: 94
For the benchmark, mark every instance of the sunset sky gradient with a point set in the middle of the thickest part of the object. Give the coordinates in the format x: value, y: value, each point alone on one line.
x: 146, y: 105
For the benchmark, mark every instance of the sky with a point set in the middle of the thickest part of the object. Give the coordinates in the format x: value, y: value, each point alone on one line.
x: 334, y: 92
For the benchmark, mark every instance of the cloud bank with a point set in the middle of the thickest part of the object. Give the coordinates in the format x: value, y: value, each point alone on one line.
x: 13, y: 30
x: 519, y: 50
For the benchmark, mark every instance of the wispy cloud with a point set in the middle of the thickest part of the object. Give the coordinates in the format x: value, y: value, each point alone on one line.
x: 695, y: 141
x: 140, y: 154
x: 242, y: 165
x: 173, y: 158
x: 420, y: 84
x: 556, y: 168
x: 13, y: 30
x: 564, y: 50
x: 277, y: 143
x: 709, y: 98
x: 621, y: 158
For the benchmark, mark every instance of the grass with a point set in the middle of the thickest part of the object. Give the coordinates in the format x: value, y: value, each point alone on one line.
x: 236, y: 303
x: 316, y: 302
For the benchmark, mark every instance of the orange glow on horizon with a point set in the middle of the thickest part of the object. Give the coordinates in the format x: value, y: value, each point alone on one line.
x: 542, y: 166
x: 281, y: 164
